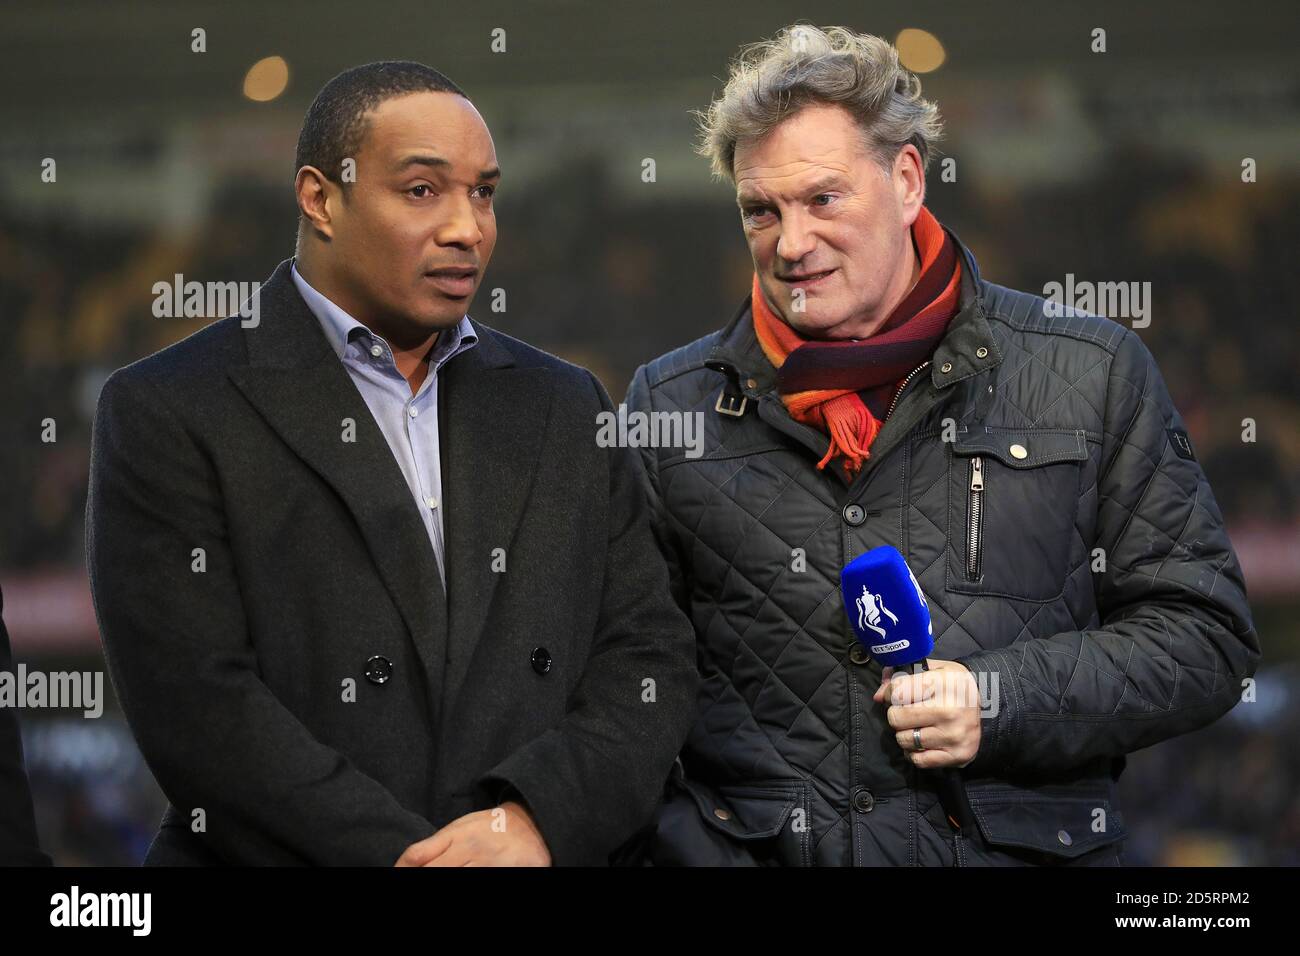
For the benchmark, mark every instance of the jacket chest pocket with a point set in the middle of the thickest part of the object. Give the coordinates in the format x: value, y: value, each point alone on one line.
x: 1012, y: 499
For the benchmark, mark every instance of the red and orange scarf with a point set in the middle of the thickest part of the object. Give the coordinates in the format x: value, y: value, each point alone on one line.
x: 844, y: 388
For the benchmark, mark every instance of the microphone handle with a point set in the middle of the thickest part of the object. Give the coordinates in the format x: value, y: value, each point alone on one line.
x: 949, y: 784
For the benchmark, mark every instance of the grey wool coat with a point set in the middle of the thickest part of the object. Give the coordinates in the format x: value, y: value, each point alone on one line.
x: 566, y: 680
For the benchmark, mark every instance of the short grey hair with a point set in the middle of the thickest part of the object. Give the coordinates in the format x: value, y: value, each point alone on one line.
x: 772, y: 80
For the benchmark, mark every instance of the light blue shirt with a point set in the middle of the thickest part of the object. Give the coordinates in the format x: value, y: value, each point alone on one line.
x: 409, y: 422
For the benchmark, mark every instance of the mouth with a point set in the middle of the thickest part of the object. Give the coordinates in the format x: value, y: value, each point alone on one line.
x: 804, y: 280
x: 456, y: 282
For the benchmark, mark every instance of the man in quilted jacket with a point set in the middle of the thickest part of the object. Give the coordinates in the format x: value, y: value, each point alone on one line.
x: 1026, y: 459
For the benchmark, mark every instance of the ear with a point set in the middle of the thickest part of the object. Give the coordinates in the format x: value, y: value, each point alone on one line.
x: 909, y: 183
x: 317, y: 197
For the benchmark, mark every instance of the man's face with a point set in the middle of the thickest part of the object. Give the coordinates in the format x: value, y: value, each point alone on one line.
x: 821, y: 215
x: 409, y: 245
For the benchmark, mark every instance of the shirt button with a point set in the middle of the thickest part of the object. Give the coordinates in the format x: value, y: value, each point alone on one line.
x: 431, y: 501
x: 412, y: 411
x: 854, y: 515
x: 376, y: 350
x: 541, y: 660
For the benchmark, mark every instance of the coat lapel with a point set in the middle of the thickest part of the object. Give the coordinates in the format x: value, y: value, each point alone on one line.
x: 492, y: 420
x: 297, y: 383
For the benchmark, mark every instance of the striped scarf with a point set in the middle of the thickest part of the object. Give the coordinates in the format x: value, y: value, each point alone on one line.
x: 845, y: 388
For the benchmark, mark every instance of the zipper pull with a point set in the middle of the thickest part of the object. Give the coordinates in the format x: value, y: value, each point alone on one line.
x: 977, y: 474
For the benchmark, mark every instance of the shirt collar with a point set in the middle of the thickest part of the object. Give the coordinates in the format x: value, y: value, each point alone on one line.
x: 340, y: 328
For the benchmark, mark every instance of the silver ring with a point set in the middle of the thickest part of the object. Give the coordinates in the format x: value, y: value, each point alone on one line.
x: 916, y: 739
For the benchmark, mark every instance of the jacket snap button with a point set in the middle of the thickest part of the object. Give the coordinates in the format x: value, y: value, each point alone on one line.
x: 859, y: 655
x: 750, y: 383
x: 1064, y: 837
x: 541, y: 660
x: 722, y: 814
x: 981, y: 352
x: 854, y: 515
x: 378, y: 669
x: 863, y: 801
x: 946, y: 367
x: 1019, y: 451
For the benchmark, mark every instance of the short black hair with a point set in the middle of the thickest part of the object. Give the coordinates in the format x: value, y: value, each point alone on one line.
x: 335, y: 124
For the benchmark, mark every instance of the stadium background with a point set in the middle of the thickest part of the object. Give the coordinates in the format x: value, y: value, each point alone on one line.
x: 1115, y: 166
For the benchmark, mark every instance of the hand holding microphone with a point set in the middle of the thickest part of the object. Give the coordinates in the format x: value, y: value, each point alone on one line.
x: 934, y: 707
x: 940, y: 706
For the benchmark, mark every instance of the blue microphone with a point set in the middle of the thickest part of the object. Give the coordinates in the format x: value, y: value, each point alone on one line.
x: 890, y: 617
x: 886, y: 607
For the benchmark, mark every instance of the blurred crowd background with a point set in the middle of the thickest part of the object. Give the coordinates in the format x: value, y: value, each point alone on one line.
x: 1122, y: 165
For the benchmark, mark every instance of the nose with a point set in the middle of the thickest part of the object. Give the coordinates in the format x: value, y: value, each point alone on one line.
x: 796, y: 239
x: 461, y: 227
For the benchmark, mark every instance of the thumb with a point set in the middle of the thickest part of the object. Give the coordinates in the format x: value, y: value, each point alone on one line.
x: 879, y: 695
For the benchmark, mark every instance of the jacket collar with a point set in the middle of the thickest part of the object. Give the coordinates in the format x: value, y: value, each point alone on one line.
x: 966, y: 334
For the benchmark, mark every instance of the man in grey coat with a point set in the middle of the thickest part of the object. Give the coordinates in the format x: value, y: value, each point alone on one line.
x: 1028, y: 463
x: 370, y: 590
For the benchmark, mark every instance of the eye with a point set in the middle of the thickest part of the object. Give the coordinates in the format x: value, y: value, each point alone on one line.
x: 754, y: 213
x: 817, y: 200
x: 487, y: 191
x: 425, y: 186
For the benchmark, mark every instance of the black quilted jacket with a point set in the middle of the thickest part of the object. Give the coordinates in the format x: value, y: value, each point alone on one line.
x: 1090, y: 580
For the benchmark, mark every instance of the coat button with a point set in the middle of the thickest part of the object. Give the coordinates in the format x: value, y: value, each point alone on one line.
x: 1019, y: 451
x: 981, y: 352
x: 854, y: 515
x: 946, y: 367
x: 379, y: 669
x: 859, y: 655
x: 722, y: 814
x: 1064, y: 837
x: 863, y: 801
x: 541, y: 660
